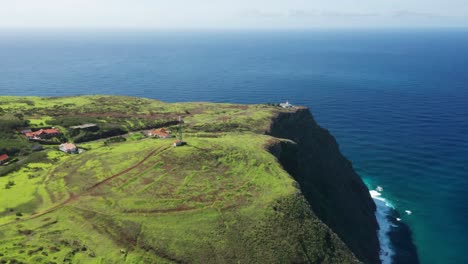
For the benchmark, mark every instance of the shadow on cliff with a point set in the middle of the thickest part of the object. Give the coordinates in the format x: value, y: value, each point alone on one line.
x: 336, y: 194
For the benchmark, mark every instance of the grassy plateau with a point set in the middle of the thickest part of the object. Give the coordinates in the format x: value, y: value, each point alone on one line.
x: 222, y: 198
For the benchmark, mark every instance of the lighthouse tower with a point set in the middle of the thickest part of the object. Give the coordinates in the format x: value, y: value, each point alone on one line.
x: 179, y: 141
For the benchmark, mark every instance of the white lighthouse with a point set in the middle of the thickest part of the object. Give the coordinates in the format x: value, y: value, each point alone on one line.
x: 286, y: 105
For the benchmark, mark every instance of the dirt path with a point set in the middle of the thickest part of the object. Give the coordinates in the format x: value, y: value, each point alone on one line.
x: 75, y: 197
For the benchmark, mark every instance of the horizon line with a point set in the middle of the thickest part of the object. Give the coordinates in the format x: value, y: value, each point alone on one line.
x: 165, y: 29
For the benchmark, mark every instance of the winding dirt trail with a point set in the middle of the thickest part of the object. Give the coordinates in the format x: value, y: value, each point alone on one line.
x: 75, y: 197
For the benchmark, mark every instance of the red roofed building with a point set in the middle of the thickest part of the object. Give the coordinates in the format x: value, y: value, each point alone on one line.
x: 43, y: 133
x: 160, y: 133
x: 3, y: 158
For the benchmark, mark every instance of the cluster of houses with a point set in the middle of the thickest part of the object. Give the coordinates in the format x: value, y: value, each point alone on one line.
x: 48, y: 133
x: 70, y: 148
x: 44, y: 134
x: 41, y: 134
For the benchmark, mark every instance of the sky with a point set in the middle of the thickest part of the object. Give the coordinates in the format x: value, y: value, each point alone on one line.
x: 242, y: 14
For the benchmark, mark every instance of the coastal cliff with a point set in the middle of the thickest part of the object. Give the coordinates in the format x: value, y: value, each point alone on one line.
x: 253, y: 184
x: 336, y: 194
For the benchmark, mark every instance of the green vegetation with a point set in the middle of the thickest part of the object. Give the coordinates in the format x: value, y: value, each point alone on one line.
x: 223, y: 198
x: 10, y: 142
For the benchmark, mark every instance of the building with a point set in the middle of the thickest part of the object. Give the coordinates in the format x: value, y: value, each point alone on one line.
x: 85, y: 127
x: 159, y: 133
x: 286, y: 105
x: 68, y: 148
x: 4, y: 158
x: 43, y: 133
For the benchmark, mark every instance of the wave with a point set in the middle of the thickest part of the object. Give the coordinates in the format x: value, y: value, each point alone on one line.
x: 383, y: 212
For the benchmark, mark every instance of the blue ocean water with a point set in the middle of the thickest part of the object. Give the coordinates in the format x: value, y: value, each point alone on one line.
x: 397, y: 101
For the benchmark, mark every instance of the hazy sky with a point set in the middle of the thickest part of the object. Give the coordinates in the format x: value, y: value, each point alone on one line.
x: 232, y: 13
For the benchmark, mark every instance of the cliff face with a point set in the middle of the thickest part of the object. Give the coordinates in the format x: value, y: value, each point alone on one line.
x: 220, y: 199
x: 337, y: 195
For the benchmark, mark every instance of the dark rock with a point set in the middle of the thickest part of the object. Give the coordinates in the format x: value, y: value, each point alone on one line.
x: 336, y: 194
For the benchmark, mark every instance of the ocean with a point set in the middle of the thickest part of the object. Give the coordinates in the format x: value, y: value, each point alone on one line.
x: 396, y: 101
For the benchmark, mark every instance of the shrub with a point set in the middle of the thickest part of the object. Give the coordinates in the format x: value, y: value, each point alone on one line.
x: 115, y: 140
x: 9, y: 184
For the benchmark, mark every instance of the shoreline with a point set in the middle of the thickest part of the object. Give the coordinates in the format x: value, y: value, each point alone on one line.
x: 401, y: 239
x: 395, y: 237
x: 382, y: 212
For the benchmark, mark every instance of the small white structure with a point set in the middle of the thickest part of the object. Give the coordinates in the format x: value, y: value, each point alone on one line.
x: 286, y: 105
x: 68, y: 148
x: 178, y: 143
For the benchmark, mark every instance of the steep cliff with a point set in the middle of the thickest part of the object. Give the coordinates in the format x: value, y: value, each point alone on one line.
x: 335, y: 192
x: 222, y: 198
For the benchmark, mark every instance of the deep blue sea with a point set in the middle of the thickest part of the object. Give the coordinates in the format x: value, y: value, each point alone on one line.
x: 397, y: 101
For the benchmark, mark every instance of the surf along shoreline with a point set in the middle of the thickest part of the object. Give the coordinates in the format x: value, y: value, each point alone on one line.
x: 395, y: 237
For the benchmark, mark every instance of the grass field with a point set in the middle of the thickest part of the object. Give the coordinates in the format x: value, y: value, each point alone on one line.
x: 174, y: 193
x: 222, y: 198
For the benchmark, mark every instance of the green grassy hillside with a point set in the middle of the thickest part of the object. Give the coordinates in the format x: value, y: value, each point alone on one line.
x: 222, y: 198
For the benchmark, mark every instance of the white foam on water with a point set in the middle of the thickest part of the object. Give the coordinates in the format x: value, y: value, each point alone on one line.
x: 379, y: 188
x: 383, y: 210
x: 408, y: 212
